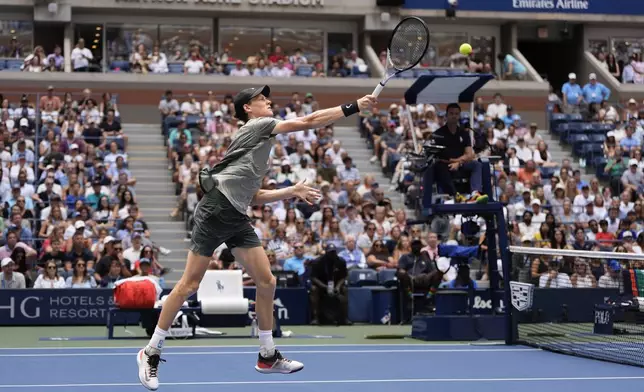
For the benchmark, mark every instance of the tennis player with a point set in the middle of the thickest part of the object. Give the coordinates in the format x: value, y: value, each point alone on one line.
x: 220, y: 217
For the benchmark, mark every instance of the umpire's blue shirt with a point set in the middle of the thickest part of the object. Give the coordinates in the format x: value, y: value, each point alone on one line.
x: 455, y: 143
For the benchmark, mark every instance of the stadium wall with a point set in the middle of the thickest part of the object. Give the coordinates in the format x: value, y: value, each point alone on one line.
x: 139, y: 95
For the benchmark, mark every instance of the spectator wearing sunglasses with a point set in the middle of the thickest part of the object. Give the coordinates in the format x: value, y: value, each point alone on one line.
x: 113, y: 251
x: 81, y: 279
x: 50, y: 279
x: 298, y: 262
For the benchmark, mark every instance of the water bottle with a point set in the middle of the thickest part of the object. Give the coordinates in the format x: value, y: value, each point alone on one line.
x: 253, y: 328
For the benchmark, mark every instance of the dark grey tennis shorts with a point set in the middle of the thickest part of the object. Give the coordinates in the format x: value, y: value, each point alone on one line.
x: 216, y: 221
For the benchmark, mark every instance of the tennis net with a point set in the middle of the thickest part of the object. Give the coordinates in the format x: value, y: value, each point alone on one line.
x: 583, y: 303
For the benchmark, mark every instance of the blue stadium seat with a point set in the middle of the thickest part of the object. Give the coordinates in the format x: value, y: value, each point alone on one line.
x: 577, y: 141
x: 228, y: 68
x: 597, y: 138
x: 590, y: 150
x: 3, y: 64
x: 14, y: 65
x: 120, y: 65
x: 304, y: 70
x: 362, y: 76
x: 587, y: 127
x: 560, y: 129
x: 547, y: 172
x: 175, y: 68
x: 600, y: 164
x: 456, y: 72
x: 576, y: 118
x: 363, y: 277
x: 387, y: 278
x: 603, y: 128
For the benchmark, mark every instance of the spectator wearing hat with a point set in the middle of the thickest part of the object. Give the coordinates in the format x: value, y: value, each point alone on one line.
x: 286, y: 177
x: 612, y: 279
x: 329, y: 299
x: 632, y: 179
x: 239, y: 70
x: 70, y: 138
x: 553, y: 278
x: 594, y: 92
x: 573, y: 95
x: 78, y: 250
x: 10, y: 279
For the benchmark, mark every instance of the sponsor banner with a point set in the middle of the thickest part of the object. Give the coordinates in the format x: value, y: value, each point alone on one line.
x: 291, y: 304
x: 91, y: 306
x: 614, y: 7
x: 575, y: 305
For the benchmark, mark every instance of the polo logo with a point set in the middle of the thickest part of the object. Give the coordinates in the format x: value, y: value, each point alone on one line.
x: 220, y: 286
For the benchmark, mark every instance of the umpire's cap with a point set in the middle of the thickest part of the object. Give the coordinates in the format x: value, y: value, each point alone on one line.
x: 245, y: 96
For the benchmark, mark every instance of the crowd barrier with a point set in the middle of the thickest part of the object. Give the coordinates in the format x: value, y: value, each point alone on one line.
x: 91, y: 306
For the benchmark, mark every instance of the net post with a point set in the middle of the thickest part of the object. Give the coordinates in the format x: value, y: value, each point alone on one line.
x: 506, y: 264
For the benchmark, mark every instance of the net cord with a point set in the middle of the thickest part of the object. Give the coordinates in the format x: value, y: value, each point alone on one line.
x: 576, y: 253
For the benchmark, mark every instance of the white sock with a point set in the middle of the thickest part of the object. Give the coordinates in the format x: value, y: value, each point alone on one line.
x: 157, y: 340
x: 266, y: 344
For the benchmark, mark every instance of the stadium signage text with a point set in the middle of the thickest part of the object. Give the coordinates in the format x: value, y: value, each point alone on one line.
x: 284, y: 3
x: 580, y: 7
x: 550, y: 4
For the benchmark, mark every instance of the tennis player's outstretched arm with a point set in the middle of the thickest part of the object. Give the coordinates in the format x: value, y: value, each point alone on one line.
x: 300, y: 190
x: 324, y: 117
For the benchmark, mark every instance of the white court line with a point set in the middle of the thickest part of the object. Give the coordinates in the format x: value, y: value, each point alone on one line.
x: 384, y: 351
x: 239, y: 346
x: 300, y: 382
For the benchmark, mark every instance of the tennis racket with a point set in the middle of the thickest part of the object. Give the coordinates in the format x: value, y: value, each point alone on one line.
x: 407, y: 46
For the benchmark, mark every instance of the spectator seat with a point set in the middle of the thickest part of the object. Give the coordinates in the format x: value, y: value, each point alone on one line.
x: 3, y: 64
x: 576, y: 117
x: 222, y: 292
x: 387, y: 278
x: 363, y: 277
x: 304, y: 70
x: 175, y: 68
x: 120, y: 66
x: 14, y: 65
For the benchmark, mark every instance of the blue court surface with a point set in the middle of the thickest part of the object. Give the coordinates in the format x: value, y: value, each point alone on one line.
x: 355, y: 368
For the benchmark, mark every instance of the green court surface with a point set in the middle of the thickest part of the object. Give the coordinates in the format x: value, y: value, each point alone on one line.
x: 25, y: 337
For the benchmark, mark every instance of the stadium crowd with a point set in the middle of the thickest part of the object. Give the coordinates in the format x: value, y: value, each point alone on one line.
x: 69, y: 213
x: 547, y: 202
x: 80, y: 165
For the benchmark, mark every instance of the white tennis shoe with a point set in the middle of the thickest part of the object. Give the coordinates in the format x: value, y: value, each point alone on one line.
x: 149, y: 369
x: 277, y: 364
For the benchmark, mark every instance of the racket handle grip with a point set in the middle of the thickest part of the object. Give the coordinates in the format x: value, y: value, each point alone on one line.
x: 378, y: 89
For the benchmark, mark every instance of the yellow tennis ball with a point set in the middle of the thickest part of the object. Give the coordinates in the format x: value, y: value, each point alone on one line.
x: 465, y: 49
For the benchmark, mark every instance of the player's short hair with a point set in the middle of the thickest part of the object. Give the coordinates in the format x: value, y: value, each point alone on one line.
x: 453, y: 106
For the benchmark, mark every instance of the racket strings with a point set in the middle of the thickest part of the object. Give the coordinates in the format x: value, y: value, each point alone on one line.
x: 408, y: 44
